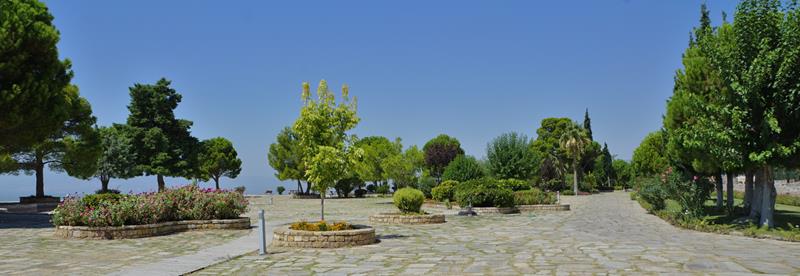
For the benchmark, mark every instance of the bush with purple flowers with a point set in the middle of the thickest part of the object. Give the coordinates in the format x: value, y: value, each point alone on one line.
x: 184, y: 203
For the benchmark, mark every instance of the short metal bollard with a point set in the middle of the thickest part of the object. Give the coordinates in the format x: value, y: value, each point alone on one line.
x: 558, y: 197
x: 263, y: 230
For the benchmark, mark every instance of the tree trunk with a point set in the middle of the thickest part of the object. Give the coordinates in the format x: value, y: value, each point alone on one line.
x: 216, y: 182
x: 322, y: 206
x: 729, y: 192
x: 719, y: 190
x: 758, y: 188
x: 104, y: 183
x: 161, y: 184
x: 748, y: 191
x: 299, y: 186
x: 308, y: 187
x: 768, y: 194
x: 575, y: 179
x: 39, y: 178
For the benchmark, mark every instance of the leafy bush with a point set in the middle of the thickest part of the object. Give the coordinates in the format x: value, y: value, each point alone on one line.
x: 408, y: 200
x: 281, y: 189
x: 567, y: 192
x: 371, y: 188
x: 463, y: 168
x: 484, y: 192
x: 534, y: 197
x: 360, y: 193
x: 652, y: 192
x: 240, y: 189
x: 445, y: 191
x: 320, y: 226
x: 382, y: 189
x: 185, y: 203
x: 426, y: 185
x: 514, y: 184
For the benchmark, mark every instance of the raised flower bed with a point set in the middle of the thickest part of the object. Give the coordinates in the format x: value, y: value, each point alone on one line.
x: 537, y: 200
x: 113, y: 216
x: 323, y: 235
x: 409, y: 201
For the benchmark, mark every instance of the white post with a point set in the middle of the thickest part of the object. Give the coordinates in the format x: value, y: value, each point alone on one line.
x: 558, y: 197
x: 262, y: 229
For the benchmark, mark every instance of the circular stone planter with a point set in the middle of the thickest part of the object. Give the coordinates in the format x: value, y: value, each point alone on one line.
x: 285, y: 237
x: 148, y: 230
x: 543, y: 207
x: 398, y: 218
x: 494, y: 210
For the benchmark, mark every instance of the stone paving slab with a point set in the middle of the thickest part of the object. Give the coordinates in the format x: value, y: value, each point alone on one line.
x: 604, y: 233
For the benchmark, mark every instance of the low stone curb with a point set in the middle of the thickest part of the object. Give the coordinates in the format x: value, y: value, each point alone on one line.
x: 398, y: 218
x: 543, y: 207
x: 285, y: 237
x: 148, y: 230
x: 494, y: 210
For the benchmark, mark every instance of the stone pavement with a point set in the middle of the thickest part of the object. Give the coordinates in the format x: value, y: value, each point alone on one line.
x: 605, y: 233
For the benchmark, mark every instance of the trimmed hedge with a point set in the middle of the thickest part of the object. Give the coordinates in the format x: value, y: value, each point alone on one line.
x: 484, y: 192
x: 445, y: 191
x: 408, y: 200
x: 534, y: 197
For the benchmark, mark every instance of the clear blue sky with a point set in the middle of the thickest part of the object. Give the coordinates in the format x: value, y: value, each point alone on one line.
x: 470, y: 69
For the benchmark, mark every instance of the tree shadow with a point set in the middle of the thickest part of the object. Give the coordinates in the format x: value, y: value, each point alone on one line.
x: 391, y: 236
x: 11, y: 221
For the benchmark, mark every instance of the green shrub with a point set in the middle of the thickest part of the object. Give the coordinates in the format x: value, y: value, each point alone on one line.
x: 483, y: 192
x: 463, y: 168
x: 95, y: 200
x: 672, y: 208
x: 281, y: 189
x: 240, y: 189
x: 445, y: 191
x: 534, y: 197
x: 514, y: 184
x: 360, y: 193
x: 567, y: 192
x: 408, y: 200
x: 651, y: 191
x: 382, y: 189
x: 426, y: 185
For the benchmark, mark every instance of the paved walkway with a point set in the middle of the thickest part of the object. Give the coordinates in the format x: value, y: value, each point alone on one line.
x: 605, y: 233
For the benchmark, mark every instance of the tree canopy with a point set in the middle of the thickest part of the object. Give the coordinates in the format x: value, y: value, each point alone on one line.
x: 117, y: 158
x: 509, y: 156
x: 35, y: 93
x: 218, y: 158
x: 439, y: 152
x: 649, y: 158
x: 463, y: 168
x: 164, y: 146
x: 286, y: 157
x: 376, y: 150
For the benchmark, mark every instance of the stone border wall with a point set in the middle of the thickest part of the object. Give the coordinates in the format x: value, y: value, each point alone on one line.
x: 285, y: 237
x: 543, y: 207
x: 398, y: 218
x: 494, y: 210
x: 148, y: 230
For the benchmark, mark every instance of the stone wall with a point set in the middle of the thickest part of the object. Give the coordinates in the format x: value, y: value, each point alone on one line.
x: 781, y: 186
x: 398, y: 218
x: 285, y: 237
x: 494, y: 210
x: 547, y: 207
x: 148, y: 230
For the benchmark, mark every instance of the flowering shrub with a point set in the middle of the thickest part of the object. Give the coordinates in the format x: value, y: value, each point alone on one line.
x: 184, y: 203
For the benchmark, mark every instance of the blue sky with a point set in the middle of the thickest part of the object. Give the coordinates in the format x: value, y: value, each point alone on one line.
x: 470, y: 69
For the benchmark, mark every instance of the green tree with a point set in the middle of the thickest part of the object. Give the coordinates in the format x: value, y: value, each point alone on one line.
x: 281, y: 189
x: 117, y: 158
x: 463, y: 168
x: 649, y: 158
x: 286, y: 157
x: 35, y: 96
x: 377, y: 149
x: 163, y: 144
x: 547, y: 151
x: 74, y: 148
x: 758, y: 56
x: 321, y: 129
x: 218, y: 158
x: 587, y: 125
x: 574, y: 141
x: 603, y: 168
x: 622, y: 173
x: 439, y: 152
x: 509, y: 157
x: 404, y: 169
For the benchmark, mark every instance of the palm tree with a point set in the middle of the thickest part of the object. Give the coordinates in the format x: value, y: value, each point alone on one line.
x: 574, y: 141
